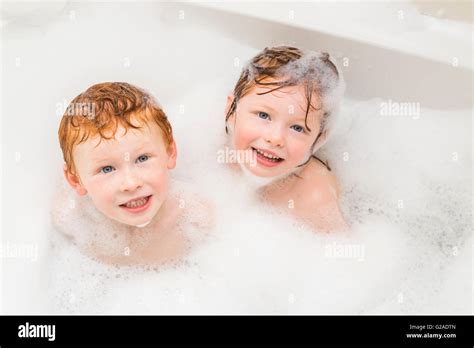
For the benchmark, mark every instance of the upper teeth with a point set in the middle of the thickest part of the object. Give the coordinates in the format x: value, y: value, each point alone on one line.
x: 266, y: 154
x: 136, y: 203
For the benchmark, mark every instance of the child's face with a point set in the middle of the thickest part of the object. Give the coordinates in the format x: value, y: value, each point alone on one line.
x: 274, y: 123
x: 127, y: 176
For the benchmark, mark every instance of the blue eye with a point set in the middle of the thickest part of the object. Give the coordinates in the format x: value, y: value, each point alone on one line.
x: 297, y: 128
x: 263, y: 115
x: 142, y: 158
x: 107, y: 169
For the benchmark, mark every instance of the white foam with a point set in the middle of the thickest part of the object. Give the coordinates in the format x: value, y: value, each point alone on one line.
x: 255, y: 261
x: 258, y: 262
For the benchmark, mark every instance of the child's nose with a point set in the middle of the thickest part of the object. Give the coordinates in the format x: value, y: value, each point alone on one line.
x: 131, y: 181
x: 274, y: 136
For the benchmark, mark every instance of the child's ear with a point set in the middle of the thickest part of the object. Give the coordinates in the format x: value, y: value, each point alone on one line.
x: 74, y: 181
x: 321, y: 140
x: 230, y: 100
x: 173, y: 154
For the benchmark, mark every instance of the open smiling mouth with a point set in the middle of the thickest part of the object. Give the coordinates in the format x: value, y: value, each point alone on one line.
x: 137, y: 205
x: 266, y: 158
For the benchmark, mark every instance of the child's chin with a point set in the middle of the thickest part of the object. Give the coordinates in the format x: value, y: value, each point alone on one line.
x: 139, y: 221
x: 136, y: 222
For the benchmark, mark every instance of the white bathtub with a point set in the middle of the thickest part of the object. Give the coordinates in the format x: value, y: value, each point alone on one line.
x: 50, y: 54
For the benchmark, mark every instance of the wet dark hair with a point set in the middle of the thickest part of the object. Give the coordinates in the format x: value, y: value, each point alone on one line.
x: 267, y: 65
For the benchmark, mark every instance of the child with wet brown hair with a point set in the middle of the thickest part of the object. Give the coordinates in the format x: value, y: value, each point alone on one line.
x: 282, y: 110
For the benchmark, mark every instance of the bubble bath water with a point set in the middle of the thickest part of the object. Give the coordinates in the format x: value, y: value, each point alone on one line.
x: 404, y: 241
x: 405, y: 176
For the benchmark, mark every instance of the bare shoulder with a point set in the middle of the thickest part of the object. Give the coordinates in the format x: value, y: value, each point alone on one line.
x: 196, y: 209
x: 319, y: 203
x: 319, y: 183
x: 67, y: 211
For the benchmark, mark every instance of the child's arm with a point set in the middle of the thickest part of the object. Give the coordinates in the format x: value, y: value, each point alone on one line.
x: 325, y: 213
x: 199, y: 211
x: 329, y: 218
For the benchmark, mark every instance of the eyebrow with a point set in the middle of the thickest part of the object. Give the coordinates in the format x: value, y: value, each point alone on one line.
x: 100, y: 160
x: 107, y: 156
x: 301, y: 118
x: 264, y: 106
